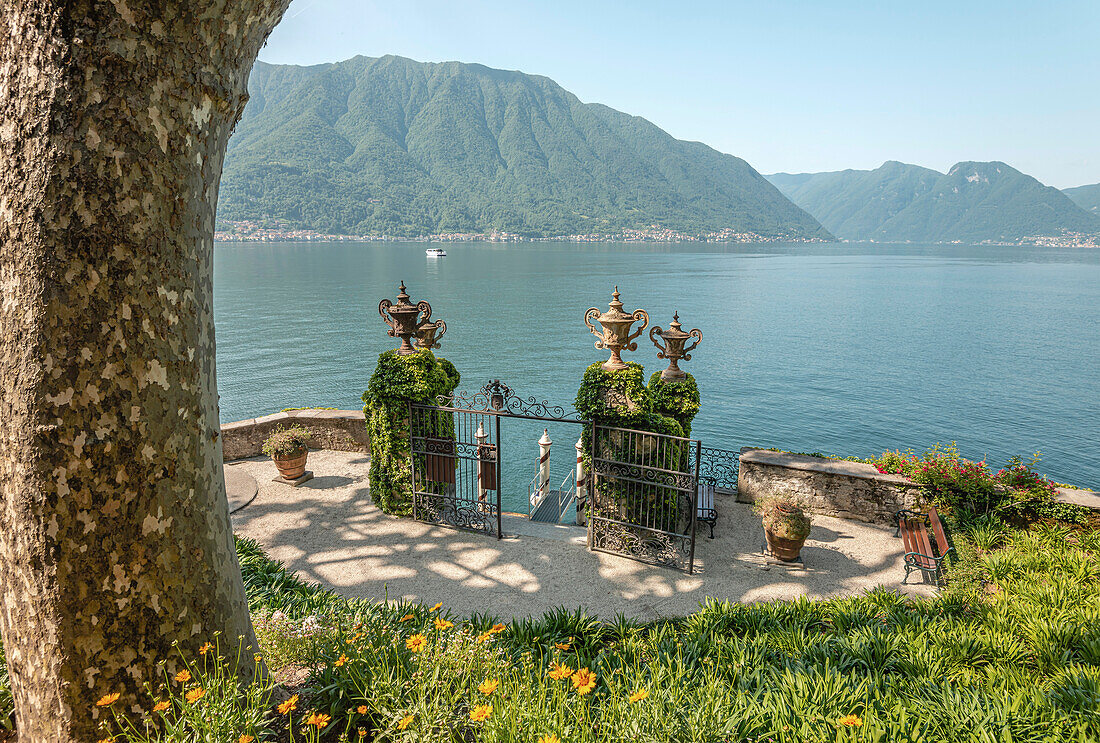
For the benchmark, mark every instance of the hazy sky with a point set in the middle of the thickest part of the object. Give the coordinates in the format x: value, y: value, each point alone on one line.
x: 789, y: 86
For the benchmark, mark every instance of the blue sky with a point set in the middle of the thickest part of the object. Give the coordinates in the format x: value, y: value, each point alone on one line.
x: 789, y: 86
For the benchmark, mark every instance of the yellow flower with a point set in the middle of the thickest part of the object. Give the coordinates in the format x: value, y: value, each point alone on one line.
x: 257, y: 657
x: 108, y: 700
x: 245, y: 739
x: 195, y: 694
x: 638, y: 695
x: 850, y: 721
x: 481, y: 712
x: 437, y: 607
x: 405, y: 722
x: 107, y: 740
x: 341, y: 660
x: 416, y: 643
x: 488, y: 686
x: 358, y: 636
x: 559, y: 672
x: 362, y: 709
x: 405, y: 618
x: 442, y: 624
x: 484, y: 636
x: 561, y: 645
x: 183, y: 677
x: 497, y: 629
x: 318, y: 720
x: 549, y: 739
x: 161, y: 706
x: 289, y: 705
x: 584, y: 681
x: 205, y: 648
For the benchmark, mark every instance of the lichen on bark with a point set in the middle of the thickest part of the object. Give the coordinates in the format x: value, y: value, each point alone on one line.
x: 114, y: 530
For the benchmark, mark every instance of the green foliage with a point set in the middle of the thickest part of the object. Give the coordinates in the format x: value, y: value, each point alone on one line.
x: 397, y: 380
x: 286, y: 442
x: 7, y: 705
x: 971, y: 203
x: 678, y: 400
x: 784, y: 517
x: 1009, y: 651
x: 397, y: 147
x: 614, y: 398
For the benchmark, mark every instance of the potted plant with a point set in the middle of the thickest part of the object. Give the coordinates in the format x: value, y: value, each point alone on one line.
x: 288, y: 448
x: 786, y: 525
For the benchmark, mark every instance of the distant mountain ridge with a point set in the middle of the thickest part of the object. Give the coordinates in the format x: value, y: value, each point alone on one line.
x: 398, y: 147
x: 972, y: 202
x: 1086, y: 197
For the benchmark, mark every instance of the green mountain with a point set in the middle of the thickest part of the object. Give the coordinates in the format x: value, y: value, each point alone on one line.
x: 972, y: 202
x: 1086, y: 197
x: 398, y: 147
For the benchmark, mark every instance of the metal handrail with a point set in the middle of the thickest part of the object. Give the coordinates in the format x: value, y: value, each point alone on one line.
x: 568, y: 485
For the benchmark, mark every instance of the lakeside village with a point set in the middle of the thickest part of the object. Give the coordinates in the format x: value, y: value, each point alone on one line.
x: 254, y: 231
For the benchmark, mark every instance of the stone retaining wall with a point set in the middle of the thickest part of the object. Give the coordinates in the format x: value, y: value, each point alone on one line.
x: 342, y: 430
x: 830, y: 487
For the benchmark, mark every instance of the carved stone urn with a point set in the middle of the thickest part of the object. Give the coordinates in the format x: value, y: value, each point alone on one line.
x: 428, y: 335
x: 403, y: 319
x: 616, y: 336
x: 674, y: 349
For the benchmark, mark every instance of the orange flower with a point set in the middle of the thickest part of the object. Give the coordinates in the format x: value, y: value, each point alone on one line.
x: 362, y: 709
x: 850, y: 721
x: 205, y: 648
x: 405, y: 722
x: 245, y: 739
x: 416, y: 643
x: 561, y: 645
x: 289, y: 705
x: 108, y: 700
x: 497, y: 629
x: 318, y: 720
x: 362, y: 733
x: 183, y: 677
x: 437, y: 607
x: 488, y: 686
x: 584, y: 681
x: 195, y: 694
x: 343, y: 659
x: 484, y: 636
x: 549, y: 739
x: 405, y: 618
x: 442, y: 624
x: 161, y: 706
x: 559, y: 672
x: 481, y: 712
x: 638, y: 695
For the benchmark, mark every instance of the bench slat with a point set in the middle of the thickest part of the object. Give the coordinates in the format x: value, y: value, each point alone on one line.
x: 942, y: 544
x: 915, y: 539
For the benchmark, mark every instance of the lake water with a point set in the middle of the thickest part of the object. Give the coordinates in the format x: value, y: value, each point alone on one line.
x: 849, y: 349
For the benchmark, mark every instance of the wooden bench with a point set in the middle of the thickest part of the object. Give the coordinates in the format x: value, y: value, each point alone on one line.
x: 704, y: 510
x: 919, y: 532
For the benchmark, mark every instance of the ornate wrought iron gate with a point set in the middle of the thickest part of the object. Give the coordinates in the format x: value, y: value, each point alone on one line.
x: 455, y: 453
x: 644, y: 497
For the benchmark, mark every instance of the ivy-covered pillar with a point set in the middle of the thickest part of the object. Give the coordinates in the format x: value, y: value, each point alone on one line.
x: 398, y: 381
x: 675, y: 398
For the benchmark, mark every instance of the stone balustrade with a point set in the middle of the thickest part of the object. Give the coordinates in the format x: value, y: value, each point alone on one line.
x: 342, y: 430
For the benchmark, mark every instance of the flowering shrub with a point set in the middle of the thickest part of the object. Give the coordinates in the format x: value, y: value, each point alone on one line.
x: 957, y: 484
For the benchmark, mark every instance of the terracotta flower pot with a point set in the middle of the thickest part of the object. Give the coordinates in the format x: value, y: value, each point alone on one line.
x: 786, y: 550
x: 292, y: 467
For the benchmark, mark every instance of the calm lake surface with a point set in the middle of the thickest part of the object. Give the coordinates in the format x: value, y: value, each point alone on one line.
x: 846, y: 349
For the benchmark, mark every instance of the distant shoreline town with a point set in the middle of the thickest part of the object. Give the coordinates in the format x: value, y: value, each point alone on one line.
x: 258, y: 232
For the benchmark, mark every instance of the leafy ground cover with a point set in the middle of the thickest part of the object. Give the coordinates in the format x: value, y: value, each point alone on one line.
x: 1009, y: 651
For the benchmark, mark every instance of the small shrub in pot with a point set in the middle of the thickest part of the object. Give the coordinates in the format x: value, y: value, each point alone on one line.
x: 786, y: 525
x: 288, y: 448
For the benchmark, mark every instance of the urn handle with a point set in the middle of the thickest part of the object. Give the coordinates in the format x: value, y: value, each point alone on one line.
x: 426, y: 309
x: 655, y: 333
x: 698, y: 336
x: 590, y: 314
x: 442, y: 330
x: 383, y: 307
x: 629, y: 344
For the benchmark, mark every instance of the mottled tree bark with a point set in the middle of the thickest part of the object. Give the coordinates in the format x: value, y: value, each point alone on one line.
x: 114, y: 532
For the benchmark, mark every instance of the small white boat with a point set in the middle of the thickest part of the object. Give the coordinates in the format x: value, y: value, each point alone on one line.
x: 435, y: 251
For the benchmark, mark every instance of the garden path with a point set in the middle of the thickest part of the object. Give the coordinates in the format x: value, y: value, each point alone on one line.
x: 327, y: 530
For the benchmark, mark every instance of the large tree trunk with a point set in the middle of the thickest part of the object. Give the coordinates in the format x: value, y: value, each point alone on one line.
x: 114, y: 533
